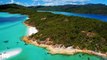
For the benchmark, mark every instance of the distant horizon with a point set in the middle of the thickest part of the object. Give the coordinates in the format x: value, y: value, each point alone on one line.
x: 53, y: 5
x: 52, y: 2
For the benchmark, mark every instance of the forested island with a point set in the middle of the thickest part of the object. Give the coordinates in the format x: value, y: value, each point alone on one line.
x: 87, y: 8
x: 79, y: 32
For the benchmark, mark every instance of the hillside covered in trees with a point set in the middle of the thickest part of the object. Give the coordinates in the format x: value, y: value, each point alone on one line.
x: 87, y: 9
x: 67, y: 30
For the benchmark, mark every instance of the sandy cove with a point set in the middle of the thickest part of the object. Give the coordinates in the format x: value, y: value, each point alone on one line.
x: 57, y: 50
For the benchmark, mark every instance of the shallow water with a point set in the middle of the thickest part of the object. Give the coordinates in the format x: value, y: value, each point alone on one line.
x: 12, y: 30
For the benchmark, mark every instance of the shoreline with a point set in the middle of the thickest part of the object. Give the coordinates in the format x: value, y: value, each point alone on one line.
x: 30, y: 30
x: 59, y: 50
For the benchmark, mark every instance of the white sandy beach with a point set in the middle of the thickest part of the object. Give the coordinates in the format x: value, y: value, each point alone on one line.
x: 31, y: 30
x: 9, y: 53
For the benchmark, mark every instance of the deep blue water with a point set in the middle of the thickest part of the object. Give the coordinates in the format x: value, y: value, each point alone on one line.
x: 94, y: 16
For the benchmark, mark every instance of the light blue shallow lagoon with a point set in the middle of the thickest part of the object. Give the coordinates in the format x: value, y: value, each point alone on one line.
x: 12, y: 30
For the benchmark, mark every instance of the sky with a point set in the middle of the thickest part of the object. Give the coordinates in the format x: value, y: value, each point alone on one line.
x: 51, y: 2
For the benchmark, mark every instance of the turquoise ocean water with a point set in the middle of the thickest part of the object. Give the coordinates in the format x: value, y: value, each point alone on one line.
x: 12, y: 30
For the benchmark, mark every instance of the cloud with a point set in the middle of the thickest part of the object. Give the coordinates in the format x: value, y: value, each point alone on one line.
x: 35, y: 2
x: 47, y: 2
x: 17, y: 2
x: 24, y: 4
x: 61, y: 2
x: 11, y: 1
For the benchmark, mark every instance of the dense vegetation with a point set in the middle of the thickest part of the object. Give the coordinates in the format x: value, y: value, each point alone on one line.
x: 82, y: 32
x: 88, y: 8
